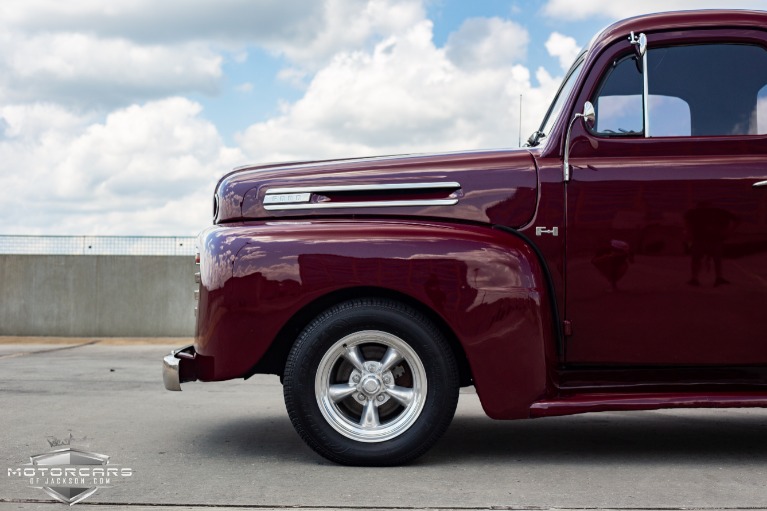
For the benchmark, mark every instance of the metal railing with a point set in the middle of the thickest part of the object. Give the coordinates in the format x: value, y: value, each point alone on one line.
x: 98, y: 245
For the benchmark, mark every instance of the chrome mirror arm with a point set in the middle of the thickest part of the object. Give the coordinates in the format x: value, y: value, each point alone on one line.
x: 640, y: 44
x: 567, y: 147
x: 645, y: 93
x: 588, y: 115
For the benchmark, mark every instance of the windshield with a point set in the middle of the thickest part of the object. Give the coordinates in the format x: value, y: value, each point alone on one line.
x: 556, y: 106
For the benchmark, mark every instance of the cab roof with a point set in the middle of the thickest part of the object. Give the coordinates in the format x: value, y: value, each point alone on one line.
x: 681, y: 20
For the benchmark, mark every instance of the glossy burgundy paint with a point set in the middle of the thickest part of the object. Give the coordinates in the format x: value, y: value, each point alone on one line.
x: 645, y: 340
x: 484, y: 284
x: 497, y: 187
x: 585, y: 403
x: 637, y: 291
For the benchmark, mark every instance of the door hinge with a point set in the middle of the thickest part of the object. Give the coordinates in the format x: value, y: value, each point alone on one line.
x: 567, y: 328
x: 554, y: 231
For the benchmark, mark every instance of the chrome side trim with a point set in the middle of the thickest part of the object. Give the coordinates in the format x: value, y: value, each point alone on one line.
x: 364, y: 188
x: 271, y: 197
x: 368, y: 204
x: 759, y: 184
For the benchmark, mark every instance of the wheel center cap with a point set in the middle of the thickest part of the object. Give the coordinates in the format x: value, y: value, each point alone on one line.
x: 371, y: 385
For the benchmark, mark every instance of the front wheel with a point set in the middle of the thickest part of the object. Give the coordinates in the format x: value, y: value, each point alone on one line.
x: 371, y: 382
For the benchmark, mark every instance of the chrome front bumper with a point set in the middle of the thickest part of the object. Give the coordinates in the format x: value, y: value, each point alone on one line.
x: 178, y: 367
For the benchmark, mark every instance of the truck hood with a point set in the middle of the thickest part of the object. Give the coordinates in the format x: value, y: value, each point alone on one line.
x: 498, y: 187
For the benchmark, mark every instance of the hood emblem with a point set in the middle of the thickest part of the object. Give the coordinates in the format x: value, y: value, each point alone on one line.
x: 286, y: 198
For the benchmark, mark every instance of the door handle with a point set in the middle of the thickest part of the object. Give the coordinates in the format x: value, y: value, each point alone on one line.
x: 759, y: 184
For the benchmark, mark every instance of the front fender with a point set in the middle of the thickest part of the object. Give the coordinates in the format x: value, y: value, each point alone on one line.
x: 486, y: 285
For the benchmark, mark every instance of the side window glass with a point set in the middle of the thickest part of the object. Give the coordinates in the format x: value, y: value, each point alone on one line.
x: 761, y: 111
x: 559, y: 102
x: 720, y: 83
x: 618, y: 104
x: 695, y: 90
x: 669, y: 116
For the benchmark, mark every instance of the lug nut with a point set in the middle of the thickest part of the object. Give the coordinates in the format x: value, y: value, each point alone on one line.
x: 381, y: 397
x: 356, y: 379
x: 361, y: 397
x: 387, y: 380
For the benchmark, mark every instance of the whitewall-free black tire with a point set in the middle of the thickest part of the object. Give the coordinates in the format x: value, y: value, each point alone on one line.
x: 371, y: 382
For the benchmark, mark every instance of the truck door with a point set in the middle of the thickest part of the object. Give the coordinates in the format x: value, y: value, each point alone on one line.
x: 667, y: 223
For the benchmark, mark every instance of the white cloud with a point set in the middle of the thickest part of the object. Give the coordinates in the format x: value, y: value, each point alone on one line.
x: 349, y: 25
x: 148, y: 168
x: 244, y: 87
x: 96, y: 138
x: 169, y: 21
x: 585, y: 9
x: 564, y: 48
x: 88, y: 72
x: 294, y: 76
x: 96, y: 54
x: 405, y: 95
x: 101, y: 55
x: 481, y: 43
x: 308, y: 32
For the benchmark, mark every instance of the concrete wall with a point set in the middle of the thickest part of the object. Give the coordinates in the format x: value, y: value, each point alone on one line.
x: 97, y: 296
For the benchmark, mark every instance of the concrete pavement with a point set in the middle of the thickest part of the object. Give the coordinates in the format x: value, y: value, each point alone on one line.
x: 231, y: 444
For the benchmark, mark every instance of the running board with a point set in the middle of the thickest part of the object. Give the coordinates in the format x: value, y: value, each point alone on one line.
x: 584, y: 403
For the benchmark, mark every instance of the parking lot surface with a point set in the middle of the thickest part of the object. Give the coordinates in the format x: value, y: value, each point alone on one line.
x: 231, y: 444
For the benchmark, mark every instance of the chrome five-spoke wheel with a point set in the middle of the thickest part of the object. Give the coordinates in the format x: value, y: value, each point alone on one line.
x: 371, y: 386
x: 371, y: 382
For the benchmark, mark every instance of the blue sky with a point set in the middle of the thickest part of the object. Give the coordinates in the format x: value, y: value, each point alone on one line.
x: 233, y: 111
x: 119, y: 117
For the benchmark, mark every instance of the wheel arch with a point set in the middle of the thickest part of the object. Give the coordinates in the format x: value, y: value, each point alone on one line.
x: 275, y: 358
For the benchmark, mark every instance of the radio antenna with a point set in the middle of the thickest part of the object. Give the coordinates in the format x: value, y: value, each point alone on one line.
x: 519, y: 129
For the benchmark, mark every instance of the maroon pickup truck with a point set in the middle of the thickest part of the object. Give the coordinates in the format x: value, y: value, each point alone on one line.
x: 618, y: 262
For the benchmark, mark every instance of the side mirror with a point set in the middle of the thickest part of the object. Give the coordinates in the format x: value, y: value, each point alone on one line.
x: 588, y: 115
